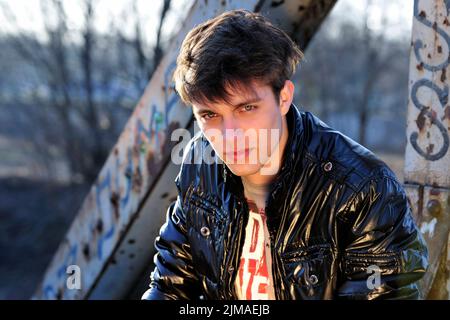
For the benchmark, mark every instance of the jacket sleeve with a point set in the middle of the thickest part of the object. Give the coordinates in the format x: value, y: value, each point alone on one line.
x: 173, y: 277
x: 384, y: 253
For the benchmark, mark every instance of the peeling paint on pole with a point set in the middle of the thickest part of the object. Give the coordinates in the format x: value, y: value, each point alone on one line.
x: 431, y: 211
x: 427, y: 156
x: 448, y: 268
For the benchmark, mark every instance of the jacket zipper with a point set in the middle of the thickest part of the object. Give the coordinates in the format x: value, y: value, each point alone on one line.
x: 242, y: 217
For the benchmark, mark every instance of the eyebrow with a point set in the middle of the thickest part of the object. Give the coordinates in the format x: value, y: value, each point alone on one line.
x: 240, y: 104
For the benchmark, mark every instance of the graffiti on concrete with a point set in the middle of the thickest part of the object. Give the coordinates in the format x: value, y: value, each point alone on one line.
x: 114, y: 197
x: 427, y: 116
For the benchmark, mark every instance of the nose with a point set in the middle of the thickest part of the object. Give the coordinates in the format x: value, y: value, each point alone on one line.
x: 233, y: 135
x: 229, y: 126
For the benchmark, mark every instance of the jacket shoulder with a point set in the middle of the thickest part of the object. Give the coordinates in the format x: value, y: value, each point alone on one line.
x: 355, y: 163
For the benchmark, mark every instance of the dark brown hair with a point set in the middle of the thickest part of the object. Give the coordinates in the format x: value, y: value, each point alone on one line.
x: 231, y: 51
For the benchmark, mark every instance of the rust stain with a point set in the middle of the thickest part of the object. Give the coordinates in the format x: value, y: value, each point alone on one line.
x: 151, y: 163
x: 420, y: 66
x: 430, y: 148
x: 422, y: 14
x: 115, y: 203
x: 99, y: 226
x: 420, y: 121
x: 443, y: 75
x: 439, y: 49
x: 446, y: 22
x: 164, y: 195
x: 136, y: 151
x: 434, y: 207
x: 434, y: 192
x: 86, y: 251
x: 137, y: 180
x: 433, y: 115
x: 446, y: 113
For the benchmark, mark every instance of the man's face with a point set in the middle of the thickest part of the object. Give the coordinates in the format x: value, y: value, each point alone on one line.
x: 245, y: 134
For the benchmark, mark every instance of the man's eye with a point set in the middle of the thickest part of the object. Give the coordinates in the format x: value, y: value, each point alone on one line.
x: 209, y: 115
x: 248, y: 107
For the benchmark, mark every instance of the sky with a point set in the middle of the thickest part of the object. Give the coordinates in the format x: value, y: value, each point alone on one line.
x: 29, y: 17
x: 399, y: 15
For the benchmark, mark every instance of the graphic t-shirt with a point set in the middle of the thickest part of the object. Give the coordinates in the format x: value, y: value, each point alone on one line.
x: 254, y: 279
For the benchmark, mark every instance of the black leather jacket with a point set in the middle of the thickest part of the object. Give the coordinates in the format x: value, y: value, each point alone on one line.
x: 334, y: 212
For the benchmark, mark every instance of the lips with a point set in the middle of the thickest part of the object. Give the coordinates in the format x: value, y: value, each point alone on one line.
x: 238, y: 154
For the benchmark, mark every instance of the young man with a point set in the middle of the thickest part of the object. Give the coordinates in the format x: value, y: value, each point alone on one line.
x: 290, y: 208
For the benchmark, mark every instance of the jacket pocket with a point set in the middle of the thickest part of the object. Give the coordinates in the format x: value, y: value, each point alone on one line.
x: 204, y: 232
x: 307, y: 270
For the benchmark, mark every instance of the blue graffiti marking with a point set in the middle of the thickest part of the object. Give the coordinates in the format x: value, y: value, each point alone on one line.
x: 172, y: 99
x: 68, y: 260
x: 419, y: 45
x: 129, y: 175
x: 443, y: 99
x: 442, y: 93
x: 105, y: 184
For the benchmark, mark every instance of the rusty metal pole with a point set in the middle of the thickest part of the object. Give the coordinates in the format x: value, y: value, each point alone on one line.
x: 427, y: 156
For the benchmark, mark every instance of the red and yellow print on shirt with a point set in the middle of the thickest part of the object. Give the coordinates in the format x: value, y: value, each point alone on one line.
x: 254, y: 278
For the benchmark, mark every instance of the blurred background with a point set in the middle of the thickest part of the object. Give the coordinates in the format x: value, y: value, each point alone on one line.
x: 72, y: 72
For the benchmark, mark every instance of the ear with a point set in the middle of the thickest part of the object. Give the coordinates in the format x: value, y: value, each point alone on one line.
x: 286, y: 96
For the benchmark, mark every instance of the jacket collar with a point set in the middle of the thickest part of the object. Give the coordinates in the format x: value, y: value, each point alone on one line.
x: 291, y: 155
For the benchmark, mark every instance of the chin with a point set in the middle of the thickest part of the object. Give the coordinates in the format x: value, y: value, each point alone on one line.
x: 242, y: 170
